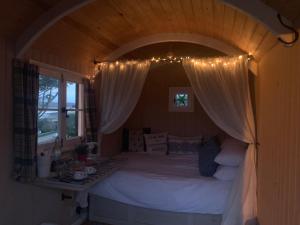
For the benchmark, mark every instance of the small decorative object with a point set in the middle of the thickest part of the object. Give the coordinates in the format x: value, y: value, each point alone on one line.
x: 60, y: 167
x: 90, y: 170
x: 82, y: 152
x: 92, y: 147
x: 92, y: 150
x: 44, y: 163
x: 79, y: 175
x: 56, y: 150
x: 181, y: 99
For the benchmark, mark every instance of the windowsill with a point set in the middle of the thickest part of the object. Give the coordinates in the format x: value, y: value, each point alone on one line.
x: 70, y: 145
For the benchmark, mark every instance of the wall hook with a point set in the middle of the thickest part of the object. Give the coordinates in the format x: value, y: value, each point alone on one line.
x: 296, y: 33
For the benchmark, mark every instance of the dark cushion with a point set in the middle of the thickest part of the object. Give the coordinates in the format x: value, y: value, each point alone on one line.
x: 207, y: 153
x: 125, y: 138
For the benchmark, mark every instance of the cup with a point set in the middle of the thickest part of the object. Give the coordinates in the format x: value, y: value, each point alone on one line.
x: 90, y: 170
x: 79, y: 175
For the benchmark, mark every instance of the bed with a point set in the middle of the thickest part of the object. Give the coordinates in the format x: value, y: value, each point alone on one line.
x: 156, y: 189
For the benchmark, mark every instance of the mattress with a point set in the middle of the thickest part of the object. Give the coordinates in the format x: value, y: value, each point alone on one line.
x: 170, y: 183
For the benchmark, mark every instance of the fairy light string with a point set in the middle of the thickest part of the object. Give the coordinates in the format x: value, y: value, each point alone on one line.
x: 225, y: 60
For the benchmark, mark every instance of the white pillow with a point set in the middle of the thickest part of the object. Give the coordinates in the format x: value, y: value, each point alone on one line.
x: 226, y: 173
x: 156, y: 142
x: 232, y: 153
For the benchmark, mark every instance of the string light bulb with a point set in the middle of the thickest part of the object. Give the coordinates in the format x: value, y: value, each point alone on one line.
x: 225, y: 61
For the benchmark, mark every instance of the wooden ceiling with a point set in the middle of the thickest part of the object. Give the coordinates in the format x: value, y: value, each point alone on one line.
x: 103, y: 26
x: 288, y: 8
x: 17, y: 15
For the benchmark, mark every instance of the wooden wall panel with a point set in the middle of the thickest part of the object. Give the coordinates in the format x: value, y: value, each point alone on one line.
x: 152, y: 108
x: 65, y: 52
x: 22, y: 204
x: 278, y: 113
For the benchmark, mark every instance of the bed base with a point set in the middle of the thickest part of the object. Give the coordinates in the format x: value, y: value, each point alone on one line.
x: 104, y: 210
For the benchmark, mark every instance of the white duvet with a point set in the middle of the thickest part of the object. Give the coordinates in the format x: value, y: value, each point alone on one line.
x: 170, y: 183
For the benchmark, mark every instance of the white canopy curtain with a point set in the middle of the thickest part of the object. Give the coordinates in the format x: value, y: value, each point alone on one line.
x: 221, y: 86
x: 121, y: 87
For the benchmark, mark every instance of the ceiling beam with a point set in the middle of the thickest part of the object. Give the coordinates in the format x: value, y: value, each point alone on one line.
x: 261, y: 13
x: 45, y: 21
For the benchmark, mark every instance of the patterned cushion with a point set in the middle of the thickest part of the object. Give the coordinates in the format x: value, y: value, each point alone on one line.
x: 156, y: 142
x: 136, y: 141
x: 183, y: 145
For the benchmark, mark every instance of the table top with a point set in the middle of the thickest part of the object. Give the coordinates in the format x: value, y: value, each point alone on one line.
x: 104, y: 170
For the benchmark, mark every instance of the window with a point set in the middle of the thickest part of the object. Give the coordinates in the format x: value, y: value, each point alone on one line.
x: 74, y: 110
x: 181, y: 99
x: 60, y: 108
x: 48, y: 109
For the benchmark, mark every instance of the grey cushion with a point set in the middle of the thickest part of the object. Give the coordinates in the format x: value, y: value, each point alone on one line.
x: 183, y: 145
x: 183, y: 148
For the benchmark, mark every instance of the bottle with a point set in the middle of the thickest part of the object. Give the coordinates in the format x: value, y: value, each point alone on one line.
x: 56, y: 150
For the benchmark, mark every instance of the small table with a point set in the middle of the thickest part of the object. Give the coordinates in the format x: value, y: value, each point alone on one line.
x: 104, y: 170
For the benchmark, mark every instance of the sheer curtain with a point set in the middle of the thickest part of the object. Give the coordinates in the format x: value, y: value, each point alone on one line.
x: 221, y: 86
x: 121, y: 87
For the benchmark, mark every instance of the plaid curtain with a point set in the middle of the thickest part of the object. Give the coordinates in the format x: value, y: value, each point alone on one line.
x: 90, y: 111
x: 25, y: 105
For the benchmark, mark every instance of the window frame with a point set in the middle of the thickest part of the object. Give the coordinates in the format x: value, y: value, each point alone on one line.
x: 65, y: 76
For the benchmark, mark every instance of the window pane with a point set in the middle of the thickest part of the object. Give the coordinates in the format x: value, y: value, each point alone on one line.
x: 47, y: 126
x: 72, y: 95
x: 72, y: 124
x: 48, y: 92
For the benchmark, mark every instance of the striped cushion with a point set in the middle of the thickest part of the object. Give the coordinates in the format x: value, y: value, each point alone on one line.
x: 183, y: 145
x: 136, y: 141
x: 156, y: 142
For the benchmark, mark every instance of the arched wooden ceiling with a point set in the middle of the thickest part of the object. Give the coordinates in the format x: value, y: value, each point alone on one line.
x: 111, y: 24
x: 101, y: 27
x: 288, y: 8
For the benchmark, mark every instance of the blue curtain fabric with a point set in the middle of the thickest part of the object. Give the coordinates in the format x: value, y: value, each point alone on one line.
x: 25, y: 106
x: 90, y: 111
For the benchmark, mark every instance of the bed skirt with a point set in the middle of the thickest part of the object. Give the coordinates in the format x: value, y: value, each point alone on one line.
x: 115, y: 213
